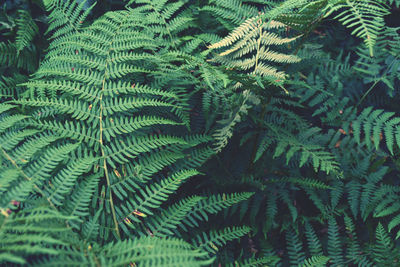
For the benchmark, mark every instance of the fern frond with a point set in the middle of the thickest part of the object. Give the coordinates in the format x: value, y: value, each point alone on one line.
x: 66, y: 17
x: 314, y: 244
x: 26, y: 30
x: 150, y: 198
x: 383, y: 246
x: 354, y: 251
x: 253, y: 37
x: 233, y: 11
x: 212, y: 241
x: 309, y: 150
x: 150, y: 251
x: 315, y: 261
x: 365, y: 16
x: 295, y: 248
x: 212, y: 205
x: 10, y: 57
x: 335, y: 250
x: 255, y: 262
x: 78, y: 206
x: 31, y: 232
x: 163, y: 224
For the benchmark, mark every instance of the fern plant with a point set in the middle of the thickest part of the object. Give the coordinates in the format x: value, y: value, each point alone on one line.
x: 199, y: 133
x: 365, y: 16
x: 254, y: 36
x: 96, y: 130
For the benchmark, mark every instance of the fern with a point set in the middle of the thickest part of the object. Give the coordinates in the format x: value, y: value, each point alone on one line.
x: 29, y: 233
x: 66, y: 17
x: 384, y: 245
x: 94, y: 129
x: 105, y: 148
x: 257, y: 261
x: 319, y: 158
x: 315, y: 261
x: 383, y: 124
x: 254, y: 37
x: 354, y: 251
x: 365, y: 16
x: 26, y: 31
x: 169, y: 219
x: 295, y: 253
x: 211, y: 241
x: 11, y: 58
x: 233, y: 11
x: 212, y: 205
x: 150, y: 252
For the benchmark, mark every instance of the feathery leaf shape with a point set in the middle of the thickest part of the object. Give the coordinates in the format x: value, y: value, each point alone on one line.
x: 384, y: 245
x: 248, y: 48
x: 163, y: 224
x: 315, y: 261
x: 124, y: 101
x: 306, y: 145
x: 27, y: 29
x: 255, y: 262
x: 295, y: 250
x: 212, y: 205
x: 231, y: 11
x: 211, y: 241
x: 149, y: 251
x: 30, y: 232
x: 66, y: 17
x: 365, y: 16
x: 144, y: 251
x: 374, y: 125
x: 9, y: 56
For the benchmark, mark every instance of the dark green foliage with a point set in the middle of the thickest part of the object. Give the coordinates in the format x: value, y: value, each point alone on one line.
x: 199, y: 133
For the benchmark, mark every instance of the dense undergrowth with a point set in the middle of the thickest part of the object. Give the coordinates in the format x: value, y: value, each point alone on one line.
x: 200, y: 133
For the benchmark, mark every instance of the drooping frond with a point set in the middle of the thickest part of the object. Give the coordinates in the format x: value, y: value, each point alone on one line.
x: 27, y: 29
x: 335, y: 250
x: 308, y: 149
x: 365, y: 16
x: 150, y: 251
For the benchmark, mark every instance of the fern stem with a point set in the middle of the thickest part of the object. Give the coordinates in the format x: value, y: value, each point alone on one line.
x: 258, y: 48
x: 376, y: 82
x: 103, y: 154
x: 264, y: 107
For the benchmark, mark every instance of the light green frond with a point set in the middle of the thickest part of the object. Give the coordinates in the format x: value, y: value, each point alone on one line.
x: 364, y: 16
